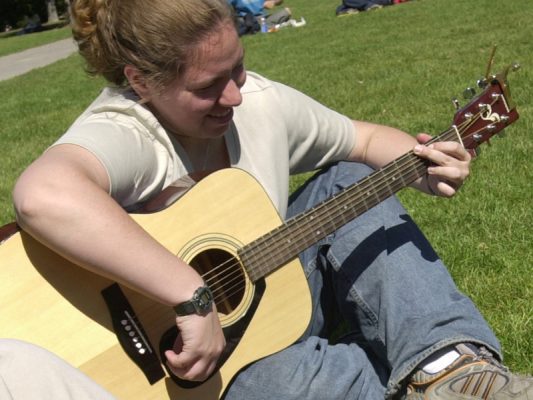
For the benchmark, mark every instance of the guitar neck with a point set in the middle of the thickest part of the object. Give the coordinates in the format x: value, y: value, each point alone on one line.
x: 279, y: 246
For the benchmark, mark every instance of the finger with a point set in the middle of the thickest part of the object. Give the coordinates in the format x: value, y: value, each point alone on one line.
x: 423, y: 138
x: 446, y: 167
x: 445, y: 173
x: 189, y: 369
x: 453, y: 149
x: 446, y: 189
x: 178, y: 363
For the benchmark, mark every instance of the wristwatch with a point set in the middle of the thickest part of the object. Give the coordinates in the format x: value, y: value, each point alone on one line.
x: 200, y: 304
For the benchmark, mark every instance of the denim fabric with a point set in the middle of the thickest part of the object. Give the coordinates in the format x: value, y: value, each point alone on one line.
x: 381, y: 277
x: 361, y: 5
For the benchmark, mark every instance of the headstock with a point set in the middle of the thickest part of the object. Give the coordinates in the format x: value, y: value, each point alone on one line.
x: 488, y: 113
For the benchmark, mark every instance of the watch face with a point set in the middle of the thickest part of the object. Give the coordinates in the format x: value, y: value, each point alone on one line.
x: 204, y: 298
x: 200, y: 304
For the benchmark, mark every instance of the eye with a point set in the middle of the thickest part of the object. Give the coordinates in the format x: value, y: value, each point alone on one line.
x: 205, y: 88
x: 211, y: 90
x: 239, y: 75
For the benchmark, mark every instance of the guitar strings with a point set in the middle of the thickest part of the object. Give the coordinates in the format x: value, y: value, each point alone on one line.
x: 318, y: 215
x: 416, y: 172
x: 233, y: 278
x: 232, y: 283
x: 385, y: 178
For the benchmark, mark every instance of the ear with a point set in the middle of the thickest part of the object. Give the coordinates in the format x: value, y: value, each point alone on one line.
x: 137, y: 81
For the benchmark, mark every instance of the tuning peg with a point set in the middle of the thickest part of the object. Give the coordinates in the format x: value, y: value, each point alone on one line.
x: 474, y: 152
x: 469, y: 93
x: 482, y: 83
x: 515, y: 66
x: 456, y: 104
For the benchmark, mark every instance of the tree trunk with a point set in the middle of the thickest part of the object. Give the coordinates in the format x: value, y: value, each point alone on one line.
x: 52, y: 11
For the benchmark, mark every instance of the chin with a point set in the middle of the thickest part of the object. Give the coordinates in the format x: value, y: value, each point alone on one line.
x: 217, y: 131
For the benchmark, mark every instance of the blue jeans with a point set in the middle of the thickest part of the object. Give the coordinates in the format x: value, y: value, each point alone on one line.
x: 361, y: 5
x: 380, y: 276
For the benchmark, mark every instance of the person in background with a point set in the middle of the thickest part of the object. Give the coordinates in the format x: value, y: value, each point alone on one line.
x: 251, y: 15
x: 32, y: 24
x: 180, y: 102
x: 348, y: 7
x: 256, y: 7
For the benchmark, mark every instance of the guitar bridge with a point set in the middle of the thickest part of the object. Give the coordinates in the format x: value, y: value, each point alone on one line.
x: 131, y: 334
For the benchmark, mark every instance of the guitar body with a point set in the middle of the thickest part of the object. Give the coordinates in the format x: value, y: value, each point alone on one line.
x: 227, y: 228
x: 48, y: 301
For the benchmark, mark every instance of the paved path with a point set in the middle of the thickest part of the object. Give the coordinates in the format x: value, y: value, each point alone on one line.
x: 24, y: 61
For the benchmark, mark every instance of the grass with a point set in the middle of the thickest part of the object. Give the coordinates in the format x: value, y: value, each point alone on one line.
x: 10, y: 44
x: 398, y: 66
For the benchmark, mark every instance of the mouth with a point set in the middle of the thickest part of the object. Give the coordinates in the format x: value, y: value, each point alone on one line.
x: 222, y: 117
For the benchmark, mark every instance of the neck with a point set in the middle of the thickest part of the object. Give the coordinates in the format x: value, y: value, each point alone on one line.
x: 205, y: 153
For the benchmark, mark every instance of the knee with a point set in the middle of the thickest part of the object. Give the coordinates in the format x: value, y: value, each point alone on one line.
x: 18, y: 352
x: 12, y: 346
x: 346, y: 173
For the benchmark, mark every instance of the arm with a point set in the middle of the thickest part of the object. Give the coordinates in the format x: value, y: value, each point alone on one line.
x: 62, y: 200
x: 377, y: 145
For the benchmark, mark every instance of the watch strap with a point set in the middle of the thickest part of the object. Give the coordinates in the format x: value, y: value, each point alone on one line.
x: 200, y: 303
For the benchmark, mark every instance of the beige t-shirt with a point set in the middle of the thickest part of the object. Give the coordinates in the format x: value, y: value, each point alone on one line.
x: 276, y: 131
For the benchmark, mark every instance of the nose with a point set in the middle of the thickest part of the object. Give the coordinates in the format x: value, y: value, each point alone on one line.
x: 231, y: 95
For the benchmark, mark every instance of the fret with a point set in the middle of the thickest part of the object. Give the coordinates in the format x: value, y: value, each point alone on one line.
x: 285, y: 242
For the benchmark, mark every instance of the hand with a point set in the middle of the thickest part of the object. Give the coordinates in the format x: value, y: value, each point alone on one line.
x: 197, y: 347
x: 450, y: 165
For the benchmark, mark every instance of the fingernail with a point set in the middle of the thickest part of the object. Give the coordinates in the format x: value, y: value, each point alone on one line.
x: 418, y: 148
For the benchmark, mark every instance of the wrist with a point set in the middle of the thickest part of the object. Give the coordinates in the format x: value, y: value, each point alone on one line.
x: 200, y: 303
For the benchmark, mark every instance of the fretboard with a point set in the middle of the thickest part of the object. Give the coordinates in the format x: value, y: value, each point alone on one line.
x: 279, y: 246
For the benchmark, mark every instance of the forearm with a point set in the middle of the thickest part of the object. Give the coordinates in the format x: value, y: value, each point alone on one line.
x: 377, y: 145
x: 76, y: 218
x: 448, y: 162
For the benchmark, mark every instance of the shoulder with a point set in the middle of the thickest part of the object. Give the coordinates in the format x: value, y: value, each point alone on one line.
x: 260, y: 93
x: 118, y: 105
x: 118, y: 110
x: 256, y: 83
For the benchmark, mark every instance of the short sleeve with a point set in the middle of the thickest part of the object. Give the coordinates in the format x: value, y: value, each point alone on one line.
x: 136, y: 164
x: 317, y: 134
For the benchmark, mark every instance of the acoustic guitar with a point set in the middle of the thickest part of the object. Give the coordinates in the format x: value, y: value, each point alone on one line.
x: 244, y: 251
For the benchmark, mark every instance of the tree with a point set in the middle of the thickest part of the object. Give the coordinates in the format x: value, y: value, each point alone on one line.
x: 52, y: 11
x: 14, y: 12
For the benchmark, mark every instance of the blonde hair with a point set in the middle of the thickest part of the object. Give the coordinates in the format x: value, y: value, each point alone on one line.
x: 154, y: 36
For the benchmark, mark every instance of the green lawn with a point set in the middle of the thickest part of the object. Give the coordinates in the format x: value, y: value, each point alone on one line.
x: 10, y: 44
x: 398, y: 66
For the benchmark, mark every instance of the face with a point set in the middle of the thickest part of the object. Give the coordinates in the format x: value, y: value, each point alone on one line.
x: 199, y: 103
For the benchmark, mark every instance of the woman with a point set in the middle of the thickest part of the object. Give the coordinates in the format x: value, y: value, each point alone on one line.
x: 179, y: 102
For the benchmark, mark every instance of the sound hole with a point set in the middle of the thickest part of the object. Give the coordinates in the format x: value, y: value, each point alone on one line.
x: 224, y: 275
